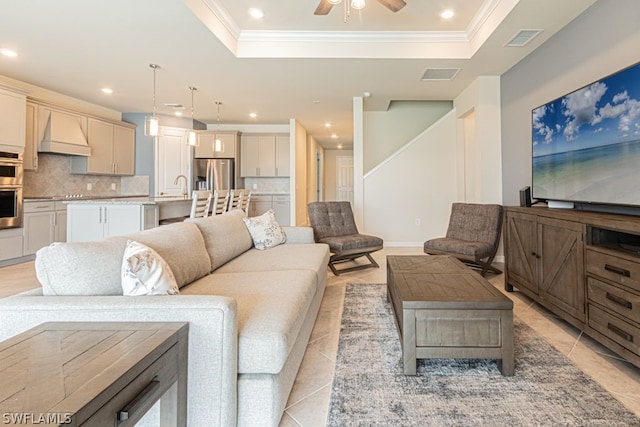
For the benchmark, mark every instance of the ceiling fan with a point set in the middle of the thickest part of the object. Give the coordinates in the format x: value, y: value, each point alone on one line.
x: 325, y: 6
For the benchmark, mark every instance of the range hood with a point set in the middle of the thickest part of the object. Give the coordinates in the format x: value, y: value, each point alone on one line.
x: 63, y: 135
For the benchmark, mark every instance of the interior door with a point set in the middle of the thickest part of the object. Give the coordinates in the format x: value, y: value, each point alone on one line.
x: 344, y: 179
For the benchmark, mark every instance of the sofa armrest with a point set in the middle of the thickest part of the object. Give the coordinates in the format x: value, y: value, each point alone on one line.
x: 297, y: 235
x: 213, y: 337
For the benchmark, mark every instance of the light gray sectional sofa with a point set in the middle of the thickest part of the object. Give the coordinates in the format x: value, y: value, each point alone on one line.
x: 250, y: 312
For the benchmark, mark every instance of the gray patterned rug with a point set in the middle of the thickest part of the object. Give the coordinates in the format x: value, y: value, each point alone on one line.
x: 369, y: 388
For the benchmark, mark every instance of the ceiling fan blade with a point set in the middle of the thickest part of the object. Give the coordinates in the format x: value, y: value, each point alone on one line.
x: 393, y: 5
x: 324, y: 7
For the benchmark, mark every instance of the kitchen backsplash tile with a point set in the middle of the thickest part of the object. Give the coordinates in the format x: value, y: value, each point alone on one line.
x: 53, y: 179
x: 267, y: 185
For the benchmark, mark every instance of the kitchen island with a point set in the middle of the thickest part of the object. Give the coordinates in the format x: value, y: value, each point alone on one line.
x: 96, y: 219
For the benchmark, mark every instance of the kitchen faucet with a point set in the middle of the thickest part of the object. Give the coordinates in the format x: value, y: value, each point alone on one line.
x: 184, y: 191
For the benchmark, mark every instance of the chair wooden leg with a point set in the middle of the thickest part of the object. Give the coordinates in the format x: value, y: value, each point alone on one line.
x: 372, y: 264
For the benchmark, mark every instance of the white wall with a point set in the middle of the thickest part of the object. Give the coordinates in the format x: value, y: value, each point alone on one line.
x: 387, y: 131
x: 418, y: 182
x: 601, y: 41
x: 481, y: 102
x: 299, y: 173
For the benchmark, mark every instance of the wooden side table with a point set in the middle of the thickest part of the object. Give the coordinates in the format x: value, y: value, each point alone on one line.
x: 94, y: 374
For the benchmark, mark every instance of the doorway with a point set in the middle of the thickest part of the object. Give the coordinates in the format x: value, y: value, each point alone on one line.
x: 344, y: 178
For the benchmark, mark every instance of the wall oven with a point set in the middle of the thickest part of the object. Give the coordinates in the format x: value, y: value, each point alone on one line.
x: 10, y: 206
x: 11, y: 169
x: 10, y: 190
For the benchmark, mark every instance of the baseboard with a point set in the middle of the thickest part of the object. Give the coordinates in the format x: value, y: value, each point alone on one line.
x: 403, y: 244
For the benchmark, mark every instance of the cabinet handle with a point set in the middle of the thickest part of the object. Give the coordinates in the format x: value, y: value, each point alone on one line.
x: 139, y: 401
x: 276, y: 171
x: 620, y: 332
x: 617, y: 270
x: 100, y: 218
x: 620, y: 301
x: 105, y: 215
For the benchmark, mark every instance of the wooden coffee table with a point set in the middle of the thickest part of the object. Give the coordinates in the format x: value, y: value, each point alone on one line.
x: 443, y: 309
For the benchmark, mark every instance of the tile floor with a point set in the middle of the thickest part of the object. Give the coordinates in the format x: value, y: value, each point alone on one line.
x: 309, y: 399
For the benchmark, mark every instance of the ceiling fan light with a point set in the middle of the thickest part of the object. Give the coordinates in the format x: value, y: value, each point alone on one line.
x: 358, y: 4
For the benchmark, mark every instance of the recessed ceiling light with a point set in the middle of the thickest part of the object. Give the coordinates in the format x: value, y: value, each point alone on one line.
x: 8, y: 52
x: 107, y: 90
x: 339, y: 146
x: 315, y: 102
x: 334, y: 136
x: 327, y: 125
x: 178, y: 113
x: 447, y: 14
x: 256, y: 13
x: 253, y: 115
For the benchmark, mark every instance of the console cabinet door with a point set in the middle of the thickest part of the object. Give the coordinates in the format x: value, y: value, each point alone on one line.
x: 561, y: 269
x: 521, y: 250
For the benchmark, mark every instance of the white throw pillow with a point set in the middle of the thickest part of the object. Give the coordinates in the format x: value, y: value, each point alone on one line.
x: 265, y: 230
x: 144, y: 272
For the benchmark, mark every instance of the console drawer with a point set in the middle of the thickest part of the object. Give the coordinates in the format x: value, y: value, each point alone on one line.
x: 148, y: 387
x: 618, y: 270
x: 615, y: 299
x: 615, y: 329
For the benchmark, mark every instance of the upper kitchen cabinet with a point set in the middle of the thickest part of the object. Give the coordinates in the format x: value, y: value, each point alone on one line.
x: 213, y: 144
x: 265, y: 156
x: 12, y: 120
x: 31, y: 138
x: 112, y: 150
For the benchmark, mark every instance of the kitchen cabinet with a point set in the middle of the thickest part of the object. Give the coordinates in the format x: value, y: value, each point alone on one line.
x: 281, y: 209
x: 96, y: 221
x: 282, y: 156
x: 280, y: 204
x: 546, y: 258
x: 12, y: 120
x: 44, y: 222
x: 265, y: 156
x: 32, y: 136
x: 10, y: 243
x: 112, y: 150
x: 206, y: 145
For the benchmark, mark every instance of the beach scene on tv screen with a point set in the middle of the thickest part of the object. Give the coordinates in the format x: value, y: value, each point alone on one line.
x: 586, y: 145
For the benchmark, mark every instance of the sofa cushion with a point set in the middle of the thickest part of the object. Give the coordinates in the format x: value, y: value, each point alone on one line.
x: 272, y: 306
x: 314, y: 257
x: 225, y: 236
x: 265, y: 231
x: 81, y: 268
x: 144, y: 272
x: 181, y: 245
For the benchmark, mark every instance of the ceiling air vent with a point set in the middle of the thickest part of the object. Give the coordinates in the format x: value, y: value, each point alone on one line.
x: 440, y: 73
x: 522, y: 38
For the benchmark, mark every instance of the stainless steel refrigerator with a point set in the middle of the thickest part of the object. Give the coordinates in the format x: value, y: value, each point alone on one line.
x: 213, y: 174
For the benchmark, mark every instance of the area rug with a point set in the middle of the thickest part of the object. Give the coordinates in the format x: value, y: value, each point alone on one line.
x: 369, y: 388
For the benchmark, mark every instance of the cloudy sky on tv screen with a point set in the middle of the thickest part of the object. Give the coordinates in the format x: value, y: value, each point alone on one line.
x: 586, y: 145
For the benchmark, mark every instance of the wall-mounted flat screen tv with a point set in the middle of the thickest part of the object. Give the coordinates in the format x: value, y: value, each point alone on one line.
x: 586, y: 144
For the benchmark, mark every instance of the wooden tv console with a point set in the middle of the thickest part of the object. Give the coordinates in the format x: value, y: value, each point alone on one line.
x: 583, y: 266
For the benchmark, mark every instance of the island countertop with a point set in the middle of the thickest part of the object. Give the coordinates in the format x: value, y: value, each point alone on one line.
x: 142, y: 200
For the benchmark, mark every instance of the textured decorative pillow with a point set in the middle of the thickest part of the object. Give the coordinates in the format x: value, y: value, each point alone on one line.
x: 144, y: 272
x: 265, y: 230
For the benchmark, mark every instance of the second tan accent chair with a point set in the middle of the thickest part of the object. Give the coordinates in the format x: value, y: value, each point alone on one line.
x: 473, y: 235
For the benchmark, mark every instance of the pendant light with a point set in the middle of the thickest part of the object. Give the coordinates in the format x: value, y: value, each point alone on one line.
x: 192, y: 139
x: 218, y: 145
x: 152, y: 123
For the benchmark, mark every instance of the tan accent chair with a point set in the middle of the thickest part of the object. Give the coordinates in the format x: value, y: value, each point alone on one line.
x: 473, y: 235
x: 333, y: 224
